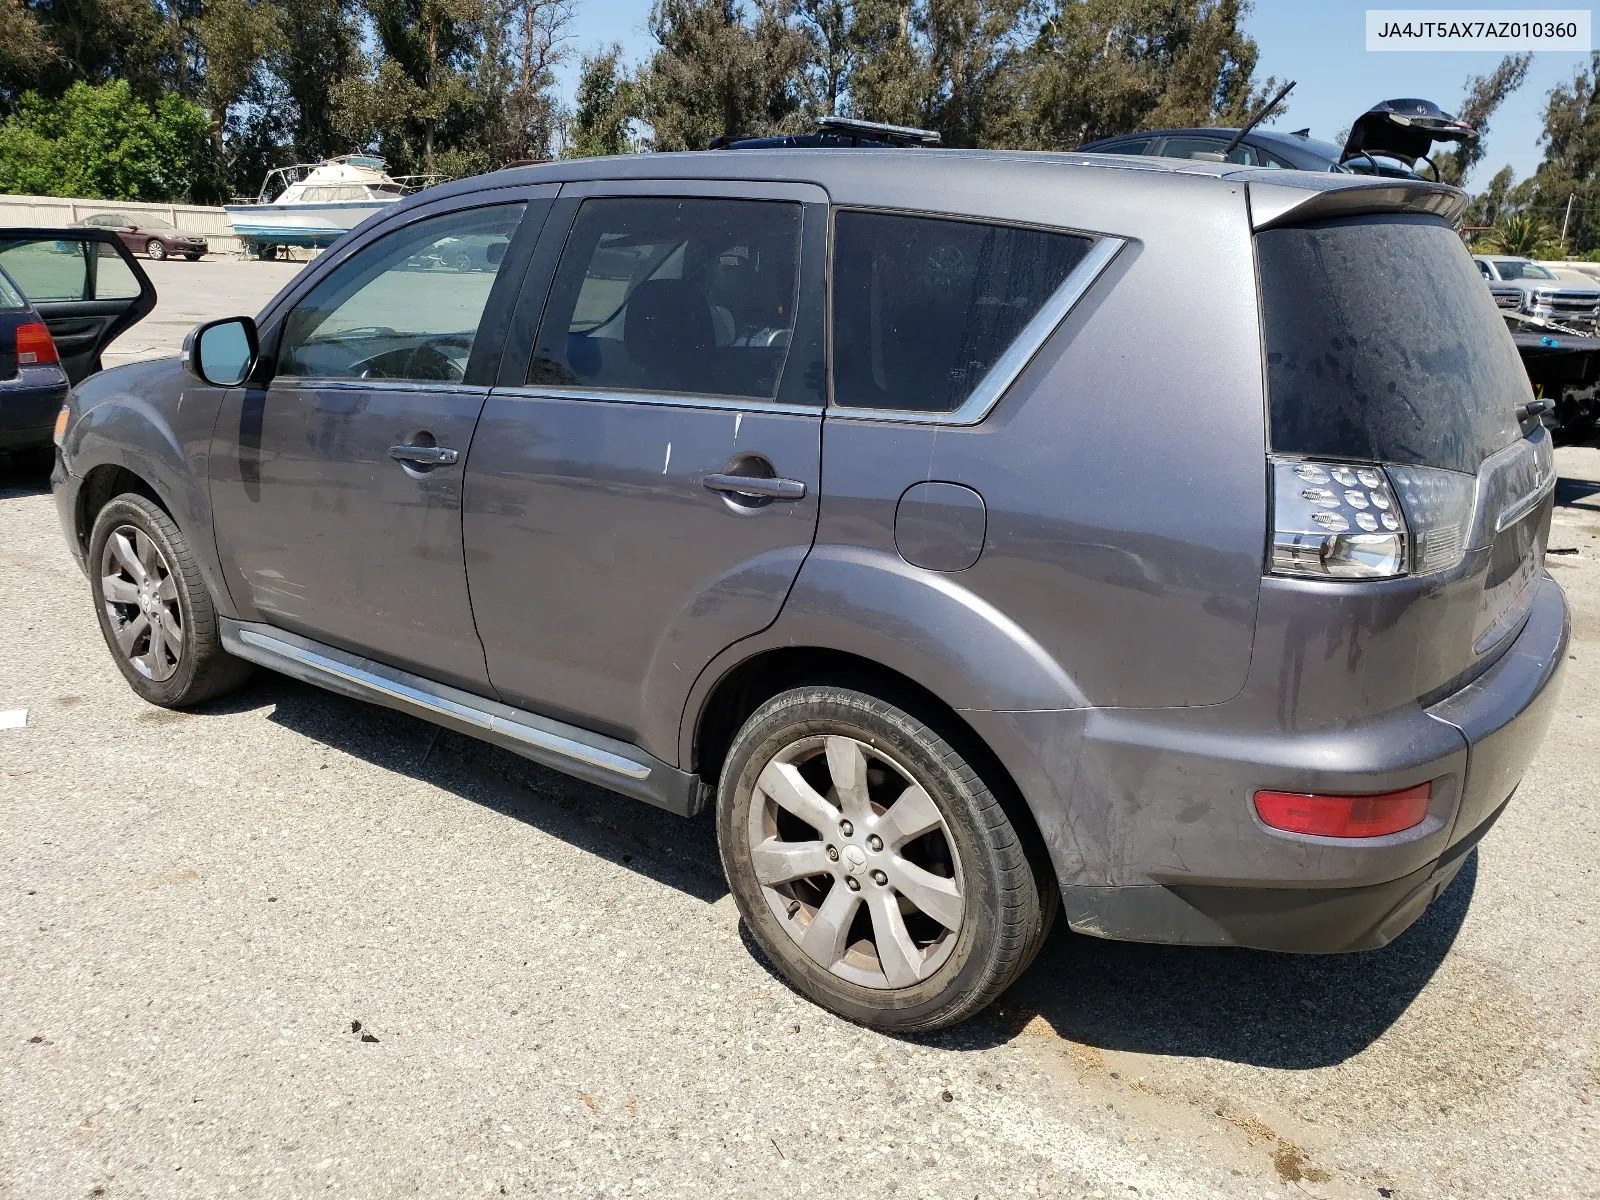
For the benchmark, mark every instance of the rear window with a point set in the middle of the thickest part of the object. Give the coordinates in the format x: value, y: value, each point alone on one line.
x: 924, y: 306
x: 1384, y: 345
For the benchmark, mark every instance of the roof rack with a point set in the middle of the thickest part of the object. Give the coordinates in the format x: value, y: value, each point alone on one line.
x: 895, y: 135
x: 833, y: 132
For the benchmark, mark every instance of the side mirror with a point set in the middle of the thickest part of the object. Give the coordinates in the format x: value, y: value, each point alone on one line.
x: 222, y: 353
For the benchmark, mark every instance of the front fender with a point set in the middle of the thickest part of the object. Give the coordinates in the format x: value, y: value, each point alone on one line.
x: 924, y: 625
x: 155, y: 421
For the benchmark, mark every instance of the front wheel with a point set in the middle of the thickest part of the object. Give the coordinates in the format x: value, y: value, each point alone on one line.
x: 154, y: 610
x: 192, y: 257
x: 155, y: 249
x: 871, y: 863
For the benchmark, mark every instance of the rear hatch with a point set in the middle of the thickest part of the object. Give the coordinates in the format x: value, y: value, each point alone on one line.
x: 1384, y: 347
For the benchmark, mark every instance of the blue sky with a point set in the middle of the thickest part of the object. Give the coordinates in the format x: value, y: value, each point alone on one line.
x: 1320, y: 43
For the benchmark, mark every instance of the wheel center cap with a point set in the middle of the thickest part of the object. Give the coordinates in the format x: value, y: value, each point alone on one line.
x: 855, y: 859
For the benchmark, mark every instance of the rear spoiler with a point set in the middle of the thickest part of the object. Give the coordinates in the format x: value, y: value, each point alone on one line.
x: 1274, y: 204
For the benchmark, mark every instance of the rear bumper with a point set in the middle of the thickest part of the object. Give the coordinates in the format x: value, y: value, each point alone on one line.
x: 28, y: 410
x: 1174, y: 852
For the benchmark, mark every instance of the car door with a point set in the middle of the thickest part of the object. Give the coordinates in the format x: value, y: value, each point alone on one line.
x: 643, y: 487
x: 86, y: 287
x: 337, y: 482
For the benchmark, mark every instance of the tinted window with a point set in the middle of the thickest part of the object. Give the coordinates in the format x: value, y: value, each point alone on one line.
x: 1384, y: 345
x: 1518, y: 268
x: 673, y: 295
x: 405, y: 307
x: 923, y: 307
x: 114, y: 279
x: 48, y: 271
x: 10, y: 298
x: 1139, y: 146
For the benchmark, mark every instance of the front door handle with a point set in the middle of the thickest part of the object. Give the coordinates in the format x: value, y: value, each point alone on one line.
x: 427, y: 456
x: 756, y: 485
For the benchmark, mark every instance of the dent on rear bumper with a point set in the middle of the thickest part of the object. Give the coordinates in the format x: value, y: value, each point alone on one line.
x: 1149, y: 817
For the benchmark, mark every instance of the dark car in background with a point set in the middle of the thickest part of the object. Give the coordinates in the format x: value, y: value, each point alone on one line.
x: 149, y: 236
x: 780, y: 481
x: 1389, y: 140
x: 64, y: 295
x: 1297, y: 151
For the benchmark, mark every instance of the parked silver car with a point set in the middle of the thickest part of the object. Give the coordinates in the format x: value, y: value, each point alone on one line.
x: 1541, y: 293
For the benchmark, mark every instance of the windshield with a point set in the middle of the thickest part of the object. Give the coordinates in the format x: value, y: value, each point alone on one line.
x: 1383, y: 345
x: 1521, y: 268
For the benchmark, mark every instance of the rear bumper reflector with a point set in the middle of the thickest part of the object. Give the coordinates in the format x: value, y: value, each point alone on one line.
x: 1345, y: 816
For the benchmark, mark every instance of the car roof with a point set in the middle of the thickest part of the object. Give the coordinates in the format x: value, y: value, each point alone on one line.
x: 1504, y: 258
x: 989, y: 182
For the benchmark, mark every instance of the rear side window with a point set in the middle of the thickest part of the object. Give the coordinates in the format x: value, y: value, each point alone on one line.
x: 10, y: 299
x: 1383, y: 345
x: 673, y: 295
x: 923, y: 306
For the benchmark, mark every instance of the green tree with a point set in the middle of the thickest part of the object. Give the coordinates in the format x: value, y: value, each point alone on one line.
x: 320, y: 46
x: 720, y: 72
x: 97, y: 41
x: 1102, y: 67
x: 104, y: 142
x: 1522, y: 234
x: 607, y: 101
x: 1485, y: 94
x: 236, y: 36
x: 24, y: 51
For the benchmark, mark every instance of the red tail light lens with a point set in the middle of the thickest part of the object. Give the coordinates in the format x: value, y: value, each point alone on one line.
x: 1345, y: 816
x: 35, y: 345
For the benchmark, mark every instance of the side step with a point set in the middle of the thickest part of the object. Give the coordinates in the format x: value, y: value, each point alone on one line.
x: 601, y: 760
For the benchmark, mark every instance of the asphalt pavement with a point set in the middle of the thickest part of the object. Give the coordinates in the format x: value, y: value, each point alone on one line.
x: 289, y: 944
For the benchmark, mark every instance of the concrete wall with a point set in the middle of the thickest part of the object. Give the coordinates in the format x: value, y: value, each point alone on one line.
x: 210, y: 223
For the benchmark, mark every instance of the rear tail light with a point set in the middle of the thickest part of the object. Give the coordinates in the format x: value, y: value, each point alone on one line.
x: 1335, y: 521
x: 35, y: 345
x: 1438, y: 507
x: 1345, y: 816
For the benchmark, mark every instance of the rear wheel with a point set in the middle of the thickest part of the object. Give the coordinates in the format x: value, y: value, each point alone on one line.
x: 154, y: 610
x: 872, y: 864
x: 155, y: 249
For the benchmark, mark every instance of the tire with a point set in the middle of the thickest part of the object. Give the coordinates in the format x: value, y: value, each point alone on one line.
x: 192, y: 257
x: 134, y: 540
x: 155, y: 249
x: 873, y: 953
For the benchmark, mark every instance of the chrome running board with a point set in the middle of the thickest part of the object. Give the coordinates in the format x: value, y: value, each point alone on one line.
x: 566, y: 748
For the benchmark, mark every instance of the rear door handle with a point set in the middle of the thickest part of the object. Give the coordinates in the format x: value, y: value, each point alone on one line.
x: 428, y: 456
x: 756, y: 485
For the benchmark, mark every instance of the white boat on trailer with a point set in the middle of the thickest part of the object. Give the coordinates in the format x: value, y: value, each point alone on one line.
x: 315, y: 204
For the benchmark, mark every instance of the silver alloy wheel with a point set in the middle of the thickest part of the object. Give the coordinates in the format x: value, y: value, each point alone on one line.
x: 856, y: 861
x: 141, y: 599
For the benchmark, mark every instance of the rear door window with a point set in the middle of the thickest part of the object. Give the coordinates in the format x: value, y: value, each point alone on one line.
x: 1383, y: 345
x: 923, y: 307
x: 673, y: 295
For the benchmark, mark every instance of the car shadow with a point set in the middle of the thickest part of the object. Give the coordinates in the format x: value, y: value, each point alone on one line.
x: 1577, y: 493
x: 21, y: 477
x: 1288, y: 1011
x: 1294, y: 1012
x: 657, y: 844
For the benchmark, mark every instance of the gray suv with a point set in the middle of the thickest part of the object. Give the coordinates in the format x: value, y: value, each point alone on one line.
x: 980, y: 535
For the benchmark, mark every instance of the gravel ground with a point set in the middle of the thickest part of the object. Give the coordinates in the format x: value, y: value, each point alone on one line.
x: 290, y: 944
x: 190, y: 292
